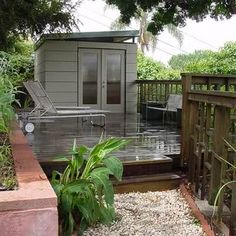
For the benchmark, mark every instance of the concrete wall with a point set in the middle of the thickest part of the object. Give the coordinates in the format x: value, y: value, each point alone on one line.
x: 56, y: 66
x: 37, y: 222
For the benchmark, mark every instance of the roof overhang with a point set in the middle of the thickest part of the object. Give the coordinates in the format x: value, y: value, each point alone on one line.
x: 100, y: 36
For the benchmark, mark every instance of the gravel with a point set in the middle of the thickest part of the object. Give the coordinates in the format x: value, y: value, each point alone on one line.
x: 152, y: 213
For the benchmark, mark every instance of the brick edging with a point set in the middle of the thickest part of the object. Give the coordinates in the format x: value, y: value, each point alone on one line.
x: 34, y: 190
x: 196, y: 212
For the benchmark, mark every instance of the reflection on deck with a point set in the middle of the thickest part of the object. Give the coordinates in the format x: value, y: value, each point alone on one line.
x: 149, y: 141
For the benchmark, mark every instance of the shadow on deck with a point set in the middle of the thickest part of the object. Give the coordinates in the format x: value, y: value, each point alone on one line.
x: 154, y: 149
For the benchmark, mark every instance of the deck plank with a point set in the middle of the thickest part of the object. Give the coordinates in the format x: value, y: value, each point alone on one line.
x: 149, y: 140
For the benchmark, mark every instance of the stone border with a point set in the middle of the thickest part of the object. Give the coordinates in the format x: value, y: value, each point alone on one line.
x: 196, y: 212
x: 34, y: 195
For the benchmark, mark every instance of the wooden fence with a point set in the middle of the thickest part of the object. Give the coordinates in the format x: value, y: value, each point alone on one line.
x: 208, y: 127
x: 157, y: 90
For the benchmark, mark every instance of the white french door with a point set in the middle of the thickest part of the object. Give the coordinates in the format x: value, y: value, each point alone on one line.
x: 101, y: 79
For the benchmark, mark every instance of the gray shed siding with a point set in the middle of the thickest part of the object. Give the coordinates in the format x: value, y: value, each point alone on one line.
x: 56, y: 66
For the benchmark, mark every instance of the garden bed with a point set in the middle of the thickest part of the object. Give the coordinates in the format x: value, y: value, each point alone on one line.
x: 7, y: 171
x: 31, y: 208
x: 151, y: 213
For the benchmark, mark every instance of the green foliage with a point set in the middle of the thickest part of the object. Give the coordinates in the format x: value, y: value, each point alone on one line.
x: 7, y: 174
x: 7, y: 97
x: 166, y: 12
x: 85, y: 193
x: 22, y: 47
x: 16, y: 67
x: 180, y: 61
x: 220, y: 62
x: 23, y: 17
x: 225, y: 59
x: 149, y: 69
x: 146, y: 38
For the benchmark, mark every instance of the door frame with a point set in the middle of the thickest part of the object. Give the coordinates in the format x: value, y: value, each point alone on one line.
x: 101, y: 100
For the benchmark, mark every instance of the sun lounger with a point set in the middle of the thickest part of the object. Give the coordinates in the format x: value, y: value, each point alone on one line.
x: 44, y: 108
x: 42, y: 101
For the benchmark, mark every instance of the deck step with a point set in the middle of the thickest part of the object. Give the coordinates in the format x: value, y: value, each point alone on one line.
x: 148, y: 165
x: 144, y: 183
x: 143, y: 166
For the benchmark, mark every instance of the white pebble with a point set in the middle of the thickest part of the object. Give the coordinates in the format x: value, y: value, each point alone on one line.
x: 151, y: 213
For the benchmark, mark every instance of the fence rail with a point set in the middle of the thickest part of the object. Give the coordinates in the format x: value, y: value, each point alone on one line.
x: 208, y: 126
x: 157, y: 90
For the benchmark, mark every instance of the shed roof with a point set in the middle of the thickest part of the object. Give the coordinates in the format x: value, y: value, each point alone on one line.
x: 100, y: 36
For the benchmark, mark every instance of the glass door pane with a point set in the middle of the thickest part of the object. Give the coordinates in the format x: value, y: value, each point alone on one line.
x: 113, y: 79
x: 89, y: 74
x: 113, y: 84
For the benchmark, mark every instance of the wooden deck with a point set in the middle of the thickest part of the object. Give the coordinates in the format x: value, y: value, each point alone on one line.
x: 150, y: 160
x: 149, y: 141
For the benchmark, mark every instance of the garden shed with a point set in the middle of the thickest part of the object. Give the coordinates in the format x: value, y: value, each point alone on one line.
x: 95, y: 69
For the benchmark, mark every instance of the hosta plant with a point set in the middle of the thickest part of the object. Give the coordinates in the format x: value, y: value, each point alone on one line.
x: 84, y: 190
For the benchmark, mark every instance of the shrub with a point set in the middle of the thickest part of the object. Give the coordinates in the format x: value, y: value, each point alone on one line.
x: 85, y: 193
x: 149, y: 69
x: 16, y: 67
x: 221, y: 62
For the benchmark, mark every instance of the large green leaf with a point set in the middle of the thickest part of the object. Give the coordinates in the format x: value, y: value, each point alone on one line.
x: 77, y: 186
x: 55, y: 176
x: 58, y: 188
x: 83, y: 150
x: 65, y: 177
x: 89, y: 207
x: 107, y: 146
x: 82, y: 227
x: 107, y: 214
x: 113, y: 144
x: 69, y: 224
x: 100, y: 177
x: 66, y: 202
x: 115, y: 166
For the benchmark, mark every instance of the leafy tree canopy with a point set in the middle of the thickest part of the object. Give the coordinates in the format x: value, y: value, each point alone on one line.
x: 180, y: 61
x: 33, y: 17
x: 223, y: 61
x: 174, y: 12
x: 147, y: 38
x: 149, y: 69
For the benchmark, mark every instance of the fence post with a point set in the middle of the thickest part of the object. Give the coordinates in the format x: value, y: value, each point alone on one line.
x: 185, y: 137
x: 206, y: 158
x: 192, y: 142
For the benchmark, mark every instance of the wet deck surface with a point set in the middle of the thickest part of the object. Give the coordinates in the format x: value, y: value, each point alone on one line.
x: 149, y: 140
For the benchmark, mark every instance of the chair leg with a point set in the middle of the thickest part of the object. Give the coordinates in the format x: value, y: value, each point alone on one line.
x: 100, y: 125
x: 163, y: 117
